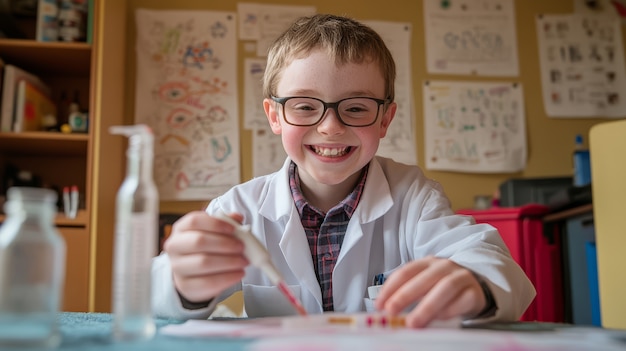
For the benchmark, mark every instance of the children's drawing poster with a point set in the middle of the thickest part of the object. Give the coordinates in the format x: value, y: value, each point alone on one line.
x: 187, y: 92
x: 582, y: 65
x: 471, y: 37
x: 474, y: 127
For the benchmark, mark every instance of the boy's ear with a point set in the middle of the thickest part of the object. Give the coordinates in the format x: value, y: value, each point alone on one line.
x: 273, y: 117
x: 387, y: 118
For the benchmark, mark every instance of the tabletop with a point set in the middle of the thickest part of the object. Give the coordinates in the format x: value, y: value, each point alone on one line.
x: 93, y: 331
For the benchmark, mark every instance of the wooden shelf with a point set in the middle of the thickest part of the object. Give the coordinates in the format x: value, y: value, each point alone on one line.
x: 62, y: 221
x: 47, y: 57
x: 44, y: 143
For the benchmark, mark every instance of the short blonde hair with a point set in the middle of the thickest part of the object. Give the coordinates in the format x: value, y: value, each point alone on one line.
x: 345, y: 39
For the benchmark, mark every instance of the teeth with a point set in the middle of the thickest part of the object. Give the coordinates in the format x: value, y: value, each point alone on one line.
x: 332, y: 152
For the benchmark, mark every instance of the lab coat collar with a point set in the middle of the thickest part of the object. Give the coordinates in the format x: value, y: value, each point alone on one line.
x: 374, y: 203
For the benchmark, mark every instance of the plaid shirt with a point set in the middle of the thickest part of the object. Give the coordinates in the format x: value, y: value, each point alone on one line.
x: 325, y: 232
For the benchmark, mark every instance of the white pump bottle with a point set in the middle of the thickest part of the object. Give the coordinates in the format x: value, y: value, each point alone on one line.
x: 136, y: 236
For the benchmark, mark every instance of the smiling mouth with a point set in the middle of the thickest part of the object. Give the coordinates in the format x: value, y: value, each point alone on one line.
x: 331, y: 151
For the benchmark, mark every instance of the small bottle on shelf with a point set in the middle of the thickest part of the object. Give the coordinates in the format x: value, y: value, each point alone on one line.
x: 32, y: 270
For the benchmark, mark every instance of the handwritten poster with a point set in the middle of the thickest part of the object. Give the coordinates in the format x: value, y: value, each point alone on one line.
x: 471, y: 37
x: 399, y: 143
x: 187, y: 92
x: 264, y: 23
x: 254, y: 115
x: 582, y: 65
x: 474, y: 127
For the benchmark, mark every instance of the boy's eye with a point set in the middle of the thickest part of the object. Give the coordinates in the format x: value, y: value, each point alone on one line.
x: 355, y: 109
x: 304, y: 107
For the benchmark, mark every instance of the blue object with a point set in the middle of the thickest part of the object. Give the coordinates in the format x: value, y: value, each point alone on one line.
x: 582, y: 163
x: 592, y: 276
x: 579, y: 231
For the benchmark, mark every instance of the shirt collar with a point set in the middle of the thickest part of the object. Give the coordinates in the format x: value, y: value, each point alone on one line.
x: 349, y: 203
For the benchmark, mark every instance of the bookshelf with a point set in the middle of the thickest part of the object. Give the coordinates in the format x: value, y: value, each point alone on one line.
x: 60, y: 57
x: 94, y: 161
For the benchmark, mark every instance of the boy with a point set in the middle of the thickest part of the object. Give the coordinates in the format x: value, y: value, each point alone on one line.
x: 336, y: 215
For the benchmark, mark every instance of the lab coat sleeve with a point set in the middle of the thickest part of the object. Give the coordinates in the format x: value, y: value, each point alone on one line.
x: 165, y: 300
x: 477, y: 247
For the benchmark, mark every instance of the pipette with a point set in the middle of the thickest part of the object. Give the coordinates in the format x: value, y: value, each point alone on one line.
x: 259, y: 257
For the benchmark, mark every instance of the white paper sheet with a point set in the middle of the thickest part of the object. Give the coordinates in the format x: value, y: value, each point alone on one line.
x: 329, y: 322
x: 399, y: 143
x: 187, y: 92
x: 313, y: 333
x: 254, y: 115
x: 264, y: 23
x: 267, y: 151
x: 474, y: 127
x: 582, y: 65
x: 471, y: 37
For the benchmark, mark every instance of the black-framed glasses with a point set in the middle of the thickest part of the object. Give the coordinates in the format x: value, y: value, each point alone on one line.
x: 308, y: 111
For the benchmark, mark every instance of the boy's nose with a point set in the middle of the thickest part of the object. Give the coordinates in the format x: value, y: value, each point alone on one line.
x: 330, y: 123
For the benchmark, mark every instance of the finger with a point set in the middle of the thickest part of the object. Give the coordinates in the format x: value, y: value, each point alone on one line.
x: 203, y: 264
x: 203, y: 288
x: 201, y: 221
x: 398, y: 279
x: 436, y: 301
x: 202, y: 242
x: 462, y: 305
x: 414, y: 289
x: 236, y: 216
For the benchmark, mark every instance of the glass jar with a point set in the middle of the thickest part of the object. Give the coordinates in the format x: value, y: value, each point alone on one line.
x: 32, y: 270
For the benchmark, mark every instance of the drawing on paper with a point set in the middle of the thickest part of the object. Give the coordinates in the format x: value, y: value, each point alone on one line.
x: 582, y: 65
x: 474, y: 127
x: 471, y: 37
x: 186, y: 91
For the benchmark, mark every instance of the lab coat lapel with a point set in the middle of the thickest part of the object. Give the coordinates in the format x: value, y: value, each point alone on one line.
x: 278, y: 207
x: 374, y: 203
x: 350, y: 277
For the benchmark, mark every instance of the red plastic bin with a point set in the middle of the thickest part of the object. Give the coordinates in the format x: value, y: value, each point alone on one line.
x: 535, y: 250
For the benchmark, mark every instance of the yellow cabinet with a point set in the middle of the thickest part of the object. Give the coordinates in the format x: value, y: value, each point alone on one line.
x: 76, y: 288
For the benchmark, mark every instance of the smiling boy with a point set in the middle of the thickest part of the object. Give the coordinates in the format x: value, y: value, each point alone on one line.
x: 336, y: 215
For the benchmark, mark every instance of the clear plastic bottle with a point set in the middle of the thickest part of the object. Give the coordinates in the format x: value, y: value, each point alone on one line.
x: 582, y: 163
x: 32, y: 270
x: 136, y: 236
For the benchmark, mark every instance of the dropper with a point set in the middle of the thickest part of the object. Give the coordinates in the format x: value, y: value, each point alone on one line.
x: 259, y: 257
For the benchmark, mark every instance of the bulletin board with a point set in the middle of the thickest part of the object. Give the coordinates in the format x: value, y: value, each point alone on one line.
x: 550, y: 141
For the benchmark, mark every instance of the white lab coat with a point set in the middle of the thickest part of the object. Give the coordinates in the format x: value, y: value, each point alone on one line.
x: 401, y: 216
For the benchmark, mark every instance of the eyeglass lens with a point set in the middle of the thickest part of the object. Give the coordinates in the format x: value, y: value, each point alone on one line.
x: 352, y: 111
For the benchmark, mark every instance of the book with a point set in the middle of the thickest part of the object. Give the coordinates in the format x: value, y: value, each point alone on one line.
x: 32, y: 106
x: 12, y: 76
x: 47, y: 21
x: 90, y: 10
x: 1, y: 75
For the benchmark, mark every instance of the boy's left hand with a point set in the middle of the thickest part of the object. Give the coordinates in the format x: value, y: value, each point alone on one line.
x: 443, y: 288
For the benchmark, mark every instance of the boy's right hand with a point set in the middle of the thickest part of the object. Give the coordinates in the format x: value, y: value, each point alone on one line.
x: 205, y: 256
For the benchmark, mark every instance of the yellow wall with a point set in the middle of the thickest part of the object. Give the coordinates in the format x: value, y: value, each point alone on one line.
x: 550, y: 140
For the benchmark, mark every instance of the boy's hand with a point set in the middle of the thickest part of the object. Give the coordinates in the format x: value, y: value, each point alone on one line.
x: 443, y: 288
x: 205, y: 255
